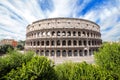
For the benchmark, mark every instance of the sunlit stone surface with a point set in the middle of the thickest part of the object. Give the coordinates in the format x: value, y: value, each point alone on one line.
x: 63, y: 39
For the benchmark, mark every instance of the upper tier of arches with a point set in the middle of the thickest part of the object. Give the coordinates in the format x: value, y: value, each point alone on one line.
x: 63, y: 33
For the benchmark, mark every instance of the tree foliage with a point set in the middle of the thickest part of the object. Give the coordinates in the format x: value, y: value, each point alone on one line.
x: 108, y: 57
x: 39, y: 68
x: 13, y: 60
x: 81, y: 71
x: 20, y: 47
x: 17, y: 66
x: 5, y: 48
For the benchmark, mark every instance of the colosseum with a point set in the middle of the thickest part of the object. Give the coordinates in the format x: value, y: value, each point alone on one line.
x: 63, y: 39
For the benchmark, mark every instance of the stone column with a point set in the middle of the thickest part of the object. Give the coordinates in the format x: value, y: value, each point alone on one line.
x: 77, y: 43
x: 82, y: 43
x: 66, y: 53
x: 55, y: 53
x: 72, y: 43
x: 88, y: 52
x: 77, y: 53
x: 61, y: 53
x: 66, y: 43
x: 72, y: 53
x: 44, y: 52
x: 83, y: 51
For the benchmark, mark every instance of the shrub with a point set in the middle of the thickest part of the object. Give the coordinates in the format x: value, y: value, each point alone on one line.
x: 20, y: 47
x: 81, y: 71
x: 13, y: 60
x: 39, y: 68
x: 5, y: 48
x: 108, y: 58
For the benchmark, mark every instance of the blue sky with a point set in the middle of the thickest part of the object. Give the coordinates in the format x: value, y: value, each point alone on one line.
x: 15, y: 15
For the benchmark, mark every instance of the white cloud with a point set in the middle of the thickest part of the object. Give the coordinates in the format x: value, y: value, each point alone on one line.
x: 108, y: 16
x: 15, y: 15
x: 62, y: 8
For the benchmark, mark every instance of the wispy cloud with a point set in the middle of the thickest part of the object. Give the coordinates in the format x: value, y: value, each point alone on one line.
x: 15, y: 15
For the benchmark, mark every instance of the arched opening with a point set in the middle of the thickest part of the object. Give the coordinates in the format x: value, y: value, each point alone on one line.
x: 48, y: 33
x: 75, y: 53
x: 88, y: 34
x: 41, y: 33
x: 47, y: 53
x: 34, y: 43
x: 47, y: 43
x: 74, y: 42
x: 95, y: 42
x: 52, y: 53
x: 44, y: 33
x: 42, y: 53
x: 64, y: 43
x: 89, y: 43
x: 58, y: 33
x: 91, y: 34
x: 90, y: 52
x: 69, y: 33
x: 74, y: 33
x: 79, y: 33
x: 85, y: 43
x: 84, y: 33
x: 58, y: 53
x: 42, y: 43
x: 80, y: 43
x: 58, y: 42
x: 32, y: 35
x: 69, y: 43
x: 64, y: 53
x: 80, y: 53
x: 37, y: 51
x: 63, y: 33
x: 52, y: 43
x: 53, y: 33
x: 38, y: 43
x: 38, y: 34
x: 85, y: 52
x: 92, y: 42
x: 69, y: 53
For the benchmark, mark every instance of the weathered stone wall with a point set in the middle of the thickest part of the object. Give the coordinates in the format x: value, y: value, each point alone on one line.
x: 63, y: 37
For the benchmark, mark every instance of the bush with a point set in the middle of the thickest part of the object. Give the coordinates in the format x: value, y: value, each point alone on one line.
x: 20, y: 47
x: 13, y: 60
x: 39, y: 68
x: 27, y: 66
x: 5, y: 48
x: 81, y: 71
x: 108, y: 57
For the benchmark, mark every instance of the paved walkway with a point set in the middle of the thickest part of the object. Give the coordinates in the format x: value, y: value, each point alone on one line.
x: 59, y: 60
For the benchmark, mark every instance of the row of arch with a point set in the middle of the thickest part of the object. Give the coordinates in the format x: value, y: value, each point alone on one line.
x: 63, y: 43
x: 63, y: 33
x: 65, y: 53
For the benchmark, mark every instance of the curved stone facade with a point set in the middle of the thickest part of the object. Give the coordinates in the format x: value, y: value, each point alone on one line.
x: 63, y: 37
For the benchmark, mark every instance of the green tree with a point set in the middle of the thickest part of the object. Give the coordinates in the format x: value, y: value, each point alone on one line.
x: 38, y: 68
x: 5, y: 48
x: 81, y: 71
x: 108, y: 57
x: 20, y: 47
x: 13, y: 60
